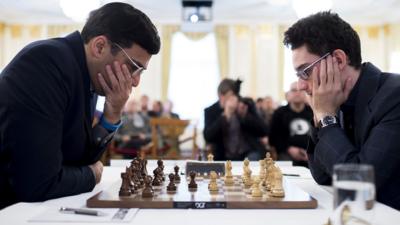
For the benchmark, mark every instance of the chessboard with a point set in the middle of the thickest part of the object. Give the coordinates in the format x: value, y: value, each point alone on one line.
x: 236, y: 196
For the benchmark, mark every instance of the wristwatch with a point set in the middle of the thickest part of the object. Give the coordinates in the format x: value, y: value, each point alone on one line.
x: 328, y: 120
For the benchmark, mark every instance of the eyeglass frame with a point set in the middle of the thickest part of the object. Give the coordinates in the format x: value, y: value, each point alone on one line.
x: 302, y: 74
x: 139, y: 69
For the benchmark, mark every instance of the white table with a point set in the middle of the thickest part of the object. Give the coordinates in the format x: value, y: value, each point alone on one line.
x: 20, y: 213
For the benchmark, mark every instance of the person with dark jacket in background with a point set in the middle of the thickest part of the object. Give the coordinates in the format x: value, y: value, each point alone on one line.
x: 48, y: 147
x: 232, y: 125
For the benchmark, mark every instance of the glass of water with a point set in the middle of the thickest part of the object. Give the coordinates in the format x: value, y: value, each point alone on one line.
x: 354, y: 194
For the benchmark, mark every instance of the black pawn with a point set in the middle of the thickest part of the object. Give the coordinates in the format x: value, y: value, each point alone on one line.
x: 148, y: 191
x: 171, y: 186
x: 156, y: 180
x: 192, y: 184
x: 177, y: 178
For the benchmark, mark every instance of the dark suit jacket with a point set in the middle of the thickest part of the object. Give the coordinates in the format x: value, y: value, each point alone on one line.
x: 252, y: 128
x: 376, y: 132
x: 46, y: 138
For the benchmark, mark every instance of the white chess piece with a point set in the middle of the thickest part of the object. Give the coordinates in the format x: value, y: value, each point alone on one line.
x: 255, y: 189
x: 213, y: 186
x: 277, y: 187
x: 228, y: 173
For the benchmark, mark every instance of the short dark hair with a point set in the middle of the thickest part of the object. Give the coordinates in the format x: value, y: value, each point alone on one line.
x: 324, y: 32
x: 227, y: 85
x: 123, y: 24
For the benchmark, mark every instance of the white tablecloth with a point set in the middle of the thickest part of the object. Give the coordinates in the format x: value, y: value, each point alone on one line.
x: 20, y: 213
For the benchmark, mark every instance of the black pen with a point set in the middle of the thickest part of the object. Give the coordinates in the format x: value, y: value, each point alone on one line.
x: 291, y: 175
x: 88, y: 212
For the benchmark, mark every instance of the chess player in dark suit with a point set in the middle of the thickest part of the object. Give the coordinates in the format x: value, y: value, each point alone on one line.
x: 48, y: 148
x: 356, y: 106
x: 232, y: 126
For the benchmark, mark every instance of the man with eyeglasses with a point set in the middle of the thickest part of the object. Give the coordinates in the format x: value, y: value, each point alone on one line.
x: 356, y: 106
x: 48, y: 92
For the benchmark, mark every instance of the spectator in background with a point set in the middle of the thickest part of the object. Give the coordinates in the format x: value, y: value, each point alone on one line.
x: 144, y: 104
x: 156, y: 109
x: 290, y: 127
x: 167, y: 110
x: 267, y: 109
x: 258, y: 105
x: 135, y: 131
x: 232, y: 125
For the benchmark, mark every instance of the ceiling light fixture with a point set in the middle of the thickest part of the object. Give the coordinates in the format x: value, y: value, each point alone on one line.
x: 78, y: 10
x: 305, y: 8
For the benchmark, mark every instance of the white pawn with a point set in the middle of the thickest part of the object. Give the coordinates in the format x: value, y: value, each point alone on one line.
x: 256, y: 191
x: 247, y: 179
x: 228, y: 173
x: 213, y: 186
x: 210, y: 157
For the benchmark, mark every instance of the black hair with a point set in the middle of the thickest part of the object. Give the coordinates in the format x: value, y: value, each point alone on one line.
x: 229, y: 85
x: 325, y: 32
x: 123, y: 24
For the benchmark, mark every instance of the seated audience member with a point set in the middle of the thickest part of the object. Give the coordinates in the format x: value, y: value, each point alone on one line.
x: 258, y: 105
x: 144, y: 104
x: 135, y: 131
x: 267, y: 108
x: 156, y: 110
x: 232, y: 125
x: 356, y: 106
x: 290, y: 128
x: 167, y: 110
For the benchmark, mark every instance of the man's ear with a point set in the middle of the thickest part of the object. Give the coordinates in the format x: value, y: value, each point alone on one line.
x: 98, y: 45
x: 340, y: 57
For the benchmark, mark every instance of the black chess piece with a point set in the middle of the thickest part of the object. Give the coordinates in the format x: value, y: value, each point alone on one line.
x: 148, y: 191
x: 136, y: 176
x: 160, y: 164
x: 177, y: 178
x: 144, y: 168
x: 171, y: 186
x: 156, y: 180
x: 192, y: 184
x: 125, y: 189
x: 132, y: 186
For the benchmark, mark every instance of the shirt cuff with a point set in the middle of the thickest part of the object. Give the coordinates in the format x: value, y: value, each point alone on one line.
x: 108, y: 126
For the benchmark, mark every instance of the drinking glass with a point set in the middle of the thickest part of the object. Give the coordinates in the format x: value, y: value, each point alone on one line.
x: 353, y: 194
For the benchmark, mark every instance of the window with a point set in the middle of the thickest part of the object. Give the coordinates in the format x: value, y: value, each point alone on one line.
x: 394, y: 63
x: 194, y: 76
x: 289, y: 75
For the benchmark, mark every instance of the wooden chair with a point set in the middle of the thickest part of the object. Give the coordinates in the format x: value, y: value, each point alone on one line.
x: 165, y: 141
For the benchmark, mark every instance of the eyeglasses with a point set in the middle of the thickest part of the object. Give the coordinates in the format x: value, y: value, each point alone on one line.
x: 135, y: 67
x: 305, y: 73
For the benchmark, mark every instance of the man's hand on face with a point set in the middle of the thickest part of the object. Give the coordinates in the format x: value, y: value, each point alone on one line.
x: 231, y: 104
x: 329, y: 92
x: 117, y: 91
